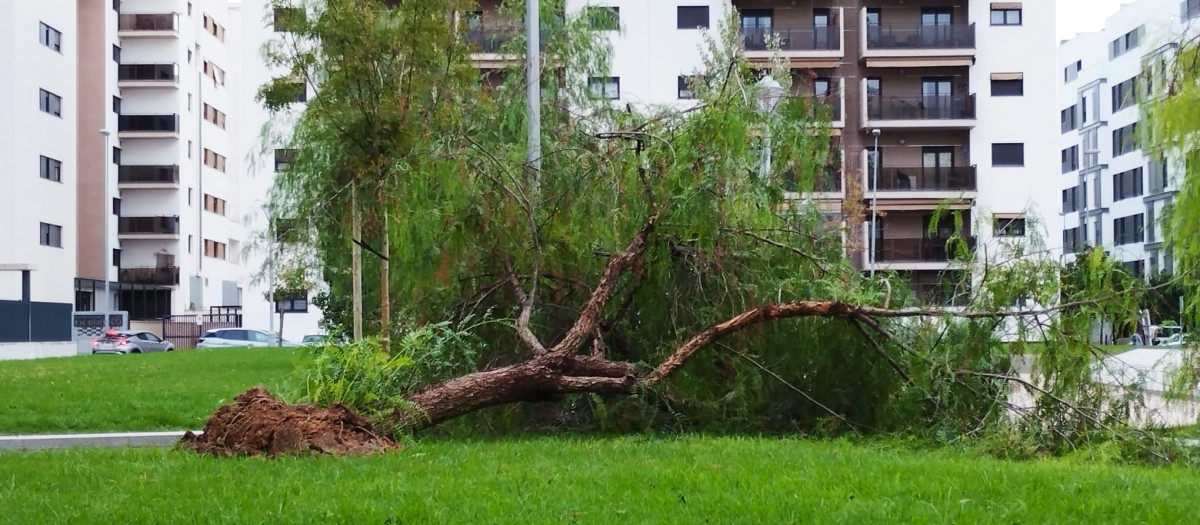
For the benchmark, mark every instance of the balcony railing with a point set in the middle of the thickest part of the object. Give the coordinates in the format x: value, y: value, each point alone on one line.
x: 916, y: 36
x: 148, y: 174
x: 164, y: 276
x: 829, y: 180
x: 148, y: 72
x: 957, y: 178
x: 832, y: 100
x: 492, y: 39
x: 148, y: 225
x: 918, y: 250
x: 826, y: 38
x: 921, y: 107
x: 147, y: 22
x: 148, y: 123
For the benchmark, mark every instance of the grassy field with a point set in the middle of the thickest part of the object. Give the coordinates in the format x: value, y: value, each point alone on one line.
x: 162, y: 391
x: 631, y: 480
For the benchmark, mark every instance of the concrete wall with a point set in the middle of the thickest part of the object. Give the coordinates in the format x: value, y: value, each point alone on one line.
x: 11, y: 351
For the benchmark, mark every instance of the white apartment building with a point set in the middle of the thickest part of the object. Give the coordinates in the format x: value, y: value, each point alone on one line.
x: 1114, y: 194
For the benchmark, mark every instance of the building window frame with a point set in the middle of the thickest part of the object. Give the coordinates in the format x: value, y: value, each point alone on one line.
x: 51, y: 169
x: 49, y: 103
x: 689, y: 17
x: 50, y: 37
x: 1008, y: 154
x: 605, y: 87
x: 49, y: 235
x: 1006, y: 16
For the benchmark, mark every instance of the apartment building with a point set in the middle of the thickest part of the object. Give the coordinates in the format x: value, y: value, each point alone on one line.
x: 38, y: 45
x: 1113, y: 193
x: 153, y: 76
x: 956, y: 93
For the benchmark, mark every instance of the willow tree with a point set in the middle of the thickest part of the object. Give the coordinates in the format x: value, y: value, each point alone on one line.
x: 649, y: 256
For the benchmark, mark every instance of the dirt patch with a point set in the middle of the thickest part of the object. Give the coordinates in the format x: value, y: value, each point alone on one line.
x: 260, y: 424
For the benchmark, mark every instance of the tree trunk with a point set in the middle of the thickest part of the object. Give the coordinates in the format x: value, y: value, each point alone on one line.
x: 280, y: 328
x: 384, y: 290
x: 356, y: 262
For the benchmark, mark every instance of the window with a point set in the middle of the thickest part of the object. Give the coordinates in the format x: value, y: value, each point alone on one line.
x: 1008, y: 226
x: 214, y: 115
x: 285, y: 18
x: 116, y: 257
x: 213, y: 28
x: 214, y: 160
x: 1137, y: 268
x: 189, y: 196
x: 116, y: 52
x: 301, y: 92
x: 189, y: 56
x: 116, y: 155
x: 1127, y: 184
x: 51, y: 169
x: 1008, y: 84
x: 189, y: 244
x: 292, y: 302
x: 1124, y: 94
x: 1006, y: 16
x: 1070, y: 159
x: 214, y: 204
x: 1189, y: 9
x: 215, y: 73
x: 117, y: 5
x: 692, y: 17
x: 284, y: 158
x: 1074, y: 240
x: 604, y: 18
x: 1011, y: 154
x: 1129, y: 230
x: 214, y: 249
x: 116, y: 105
x: 605, y: 87
x: 50, y: 37
x: 116, y: 206
x: 685, y: 91
x: 1125, y: 42
x: 1071, y: 72
x: 1159, y: 179
x: 50, y: 103
x: 50, y: 235
x: 1123, y: 140
x: 1067, y: 117
x: 1072, y: 198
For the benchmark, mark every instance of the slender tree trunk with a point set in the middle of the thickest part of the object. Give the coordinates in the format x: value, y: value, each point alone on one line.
x: 280, y: 328
x: 356, y: 261
x: 385, y: 318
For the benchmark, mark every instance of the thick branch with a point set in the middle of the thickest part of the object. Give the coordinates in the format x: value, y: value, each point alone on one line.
x: 523, y: 330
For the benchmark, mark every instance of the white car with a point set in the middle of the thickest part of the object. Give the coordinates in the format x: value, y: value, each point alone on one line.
x: 130, y: 342
x: 234, y: 337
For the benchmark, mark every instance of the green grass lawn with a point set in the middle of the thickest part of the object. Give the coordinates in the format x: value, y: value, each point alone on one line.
x: 630, y: 480
x: 161, y: 391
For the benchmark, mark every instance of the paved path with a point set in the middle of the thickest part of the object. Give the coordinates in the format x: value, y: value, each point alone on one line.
x: 124, y: 439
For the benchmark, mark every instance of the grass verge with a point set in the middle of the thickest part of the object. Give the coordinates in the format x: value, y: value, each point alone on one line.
x: 106, y: 393
x: 629, y: 480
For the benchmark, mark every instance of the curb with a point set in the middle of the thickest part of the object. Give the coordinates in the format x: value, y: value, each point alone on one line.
x: 58, y: 441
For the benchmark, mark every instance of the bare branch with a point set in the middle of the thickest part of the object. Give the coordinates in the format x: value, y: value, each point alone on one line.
x: 523, y: 330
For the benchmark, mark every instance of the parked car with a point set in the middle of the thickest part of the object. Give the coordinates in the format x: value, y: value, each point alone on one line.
x: 314, y: 339
x: 129, y: 342
x: 227, y: 337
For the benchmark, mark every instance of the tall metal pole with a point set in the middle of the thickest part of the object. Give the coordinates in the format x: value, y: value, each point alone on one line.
x: 270, y: 271
x: 534, y: 85
x: 874, y: 200
x: 107, y: 217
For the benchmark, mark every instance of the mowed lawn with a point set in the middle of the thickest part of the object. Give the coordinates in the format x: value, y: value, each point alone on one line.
x: 161, y: 391
x: 623, y: 480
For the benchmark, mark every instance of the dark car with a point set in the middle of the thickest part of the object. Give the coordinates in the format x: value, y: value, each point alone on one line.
x: 130, y: 342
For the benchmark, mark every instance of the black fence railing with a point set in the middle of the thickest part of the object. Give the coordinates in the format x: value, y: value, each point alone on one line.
x: 148, y: 72
x: 150, y: 123
x: 148, y: 225
x: 147, y: 22
x: 148, y: 174
x: 183, y: 331
x: 957, y: 178
x: 919, y: 250
x: 921, y: 107
x: 826, y: 38
x: 492, y: 39
x: 34, y: 322
x: 917, y: 36
x: 833, y: 101
x: 828, y: 180
x: 165, y: 276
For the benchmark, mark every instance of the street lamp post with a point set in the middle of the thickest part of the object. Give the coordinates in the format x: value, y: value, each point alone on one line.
x: 769, y: 95
x: 270, y: 272
x: 874, y: 200
x: 107, y: 217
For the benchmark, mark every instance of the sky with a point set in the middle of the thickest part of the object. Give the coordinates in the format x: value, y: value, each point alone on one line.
x: 1080, y: 16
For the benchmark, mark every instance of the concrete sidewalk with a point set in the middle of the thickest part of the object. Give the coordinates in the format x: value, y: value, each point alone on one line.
x: 123, y: 439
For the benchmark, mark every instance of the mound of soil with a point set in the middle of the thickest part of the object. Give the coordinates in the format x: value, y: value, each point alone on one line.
x: 260, y: 424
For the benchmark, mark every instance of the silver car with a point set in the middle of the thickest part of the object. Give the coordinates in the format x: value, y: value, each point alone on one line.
x: 231, y: 337
x: 130, y: 342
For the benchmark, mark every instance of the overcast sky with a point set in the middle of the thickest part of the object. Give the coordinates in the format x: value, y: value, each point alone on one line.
x: 1079, y: 16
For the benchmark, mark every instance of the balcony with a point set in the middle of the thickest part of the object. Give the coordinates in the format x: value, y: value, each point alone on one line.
x: 805, y: 46
x: 147, y: 75
x: 919, y: 250
x: 162, y: 276
x: 828, y: 183
x: 916, y: 44
x: 919, y: 111
x: 148, y: 126
x: 148, y: 25
x: 148, y: 227
x: 922, y: 183
x: 148, y: 177
x: 489, y: 43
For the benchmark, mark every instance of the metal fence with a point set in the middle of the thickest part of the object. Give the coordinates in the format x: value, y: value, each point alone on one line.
x: 184, y: 330
x: 26, y: 322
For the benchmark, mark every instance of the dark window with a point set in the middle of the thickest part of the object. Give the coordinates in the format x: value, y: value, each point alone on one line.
x: 605, y: 87
x: 1189, y: 9
x: 1006, y: 17
x: 117, y: 5
x: 1068, y: 119
x: 1125, y: 42
x: 50, y: 103
x: 116, y: 155
x: 1009, y: 227
x: 604, y: 18
x: 685, y: 90
x: 1071, y: 72
x: 301, y: 92
x: 1128, y: 184
x: 692, y: 17
x: 284, y: 158
x: 1011, y: 154
x: 116, y: 53
x: 50, y: 37
x: 1008, y: 88
x: 1124, y: 94
x: 1123, y: 140
x: 51, y: 169
x: 286, y: 18
x: 1070, y: 159
x: 292, y: 302
x: 1129, y: 230
x: 116, y: 206
x: 117, y: 105
x: 1071, y: 199
x: 50, y: 235
x: 116, y: 257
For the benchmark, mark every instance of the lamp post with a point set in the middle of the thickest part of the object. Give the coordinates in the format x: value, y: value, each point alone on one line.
x: 107, y: 217
x: 533, y: 88
x: 769, y: 95
x: 874, y: 199
x: 270, y: 271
